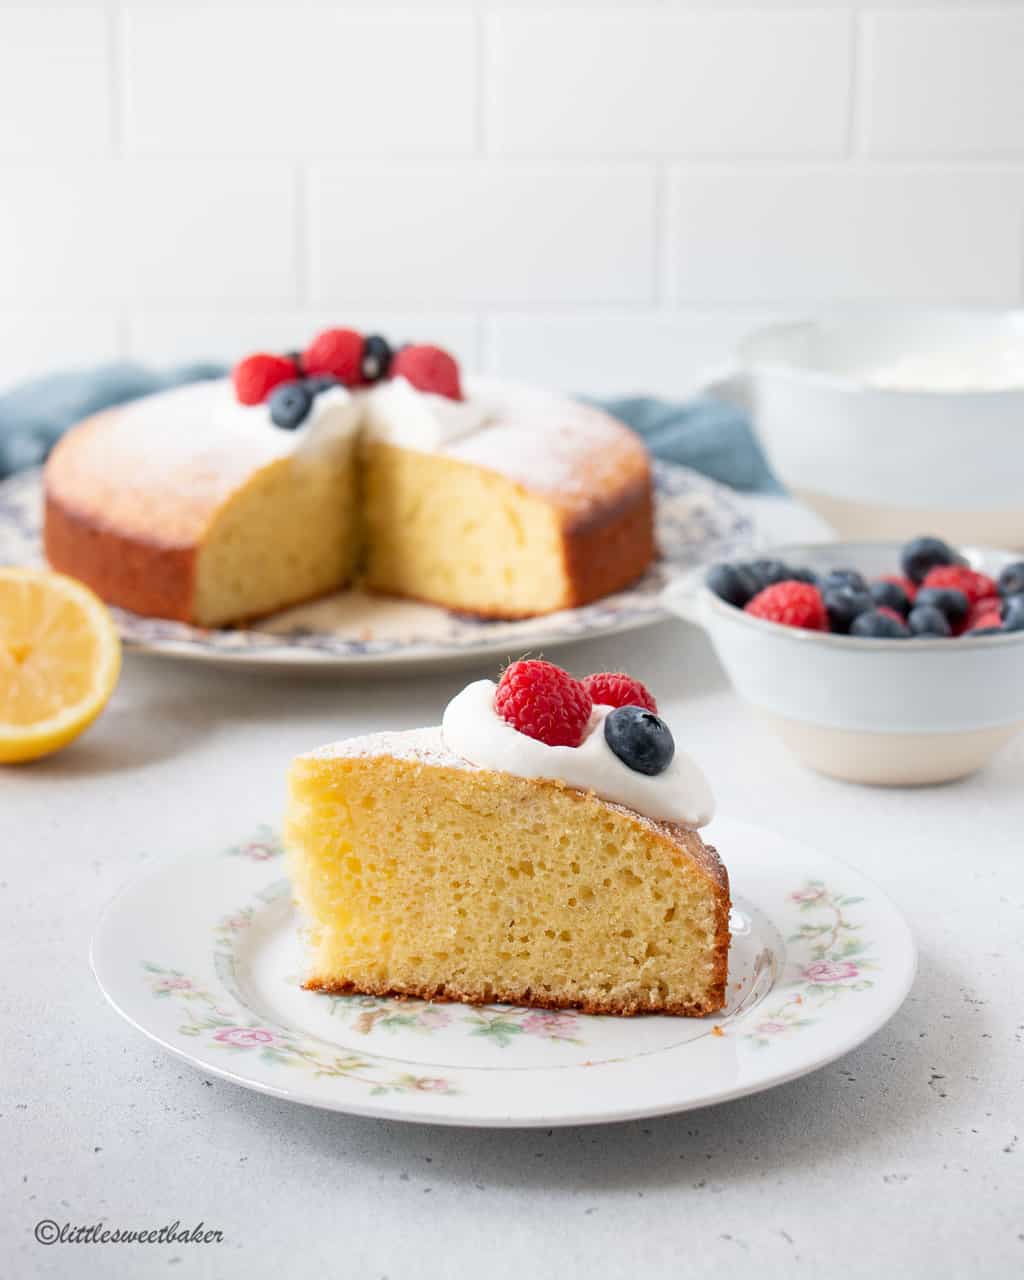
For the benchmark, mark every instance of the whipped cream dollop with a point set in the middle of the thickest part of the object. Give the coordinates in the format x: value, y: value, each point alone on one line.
x: 473, y: 729
x: 333, y: 420
x: 396, y: 413
x: 392, y: 412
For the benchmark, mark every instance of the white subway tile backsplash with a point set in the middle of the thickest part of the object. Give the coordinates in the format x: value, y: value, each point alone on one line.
x: 295, y: 80
x: 55, y: 79
x: 620, y: 354
x: 59, y: 239
x: 945, y: 82
x: 212, y: 232
x: 643, y: 80
x: 169, y: 337
x: 849, y: 236
x: 482, y: 236
x: 598, y: 196
x: 147, y: 232
x: 37, y: 342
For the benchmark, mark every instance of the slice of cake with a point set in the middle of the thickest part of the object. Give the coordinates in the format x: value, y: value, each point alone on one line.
x: 232, y: 499
x: 540, y: 847
x: 190, y: 505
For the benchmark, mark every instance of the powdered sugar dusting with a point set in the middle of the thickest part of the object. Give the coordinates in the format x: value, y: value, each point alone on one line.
x: 423, y: 745
x: 547, y: 442
x: 198, y: 442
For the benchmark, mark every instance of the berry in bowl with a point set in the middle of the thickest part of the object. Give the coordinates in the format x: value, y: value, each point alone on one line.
x: 884, y: 663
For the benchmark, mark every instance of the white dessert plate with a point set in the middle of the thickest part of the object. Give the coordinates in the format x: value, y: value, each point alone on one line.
x: 203, y: 955
x: 698, y: 521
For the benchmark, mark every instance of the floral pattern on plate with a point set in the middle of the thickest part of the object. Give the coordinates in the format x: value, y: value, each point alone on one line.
x: 501, y: 1024
x: 263, y: 845
x: 831, y: 962
x: 226, y: 1030
x: 697, y: 521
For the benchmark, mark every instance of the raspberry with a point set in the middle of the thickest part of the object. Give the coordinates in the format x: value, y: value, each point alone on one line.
x: 338, y: 352
x: 975, y: 586
x: 793, y: 604
x: 908, y: 586
x: 983, y: 607
x: 616, y: 689
x: 256, y: 376
x: 428, y: 369
x: 544, y: 702
x: 991, y: 620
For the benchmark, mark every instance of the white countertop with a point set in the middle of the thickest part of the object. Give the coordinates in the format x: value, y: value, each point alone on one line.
x: 906, y: 1158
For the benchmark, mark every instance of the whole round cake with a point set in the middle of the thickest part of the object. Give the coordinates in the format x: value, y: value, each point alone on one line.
x: 231, y: 499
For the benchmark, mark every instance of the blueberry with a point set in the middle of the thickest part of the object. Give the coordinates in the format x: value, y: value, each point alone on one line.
x: 733, y: 583
x: 290, y: 402
x: 843, y: 578
x: 891, y: 595
x: 640, y: 739
x: 1011, y: 580
x: 984, y: 631
x: 803, y: 575
x: 768, y: 572
x: 878, y: 626
x: 927, y: 620
x: 320, y: 382
x: 1013, y: 613
x: 376, y: 358
x: 951, y: 602
x: 921, y: 554
x: 844, y: 604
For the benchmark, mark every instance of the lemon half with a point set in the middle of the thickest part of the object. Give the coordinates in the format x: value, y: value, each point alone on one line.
x: 60, y: 657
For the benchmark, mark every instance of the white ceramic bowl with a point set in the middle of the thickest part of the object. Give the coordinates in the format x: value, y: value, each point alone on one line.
x: 888, y: 712
x: 937, y: 449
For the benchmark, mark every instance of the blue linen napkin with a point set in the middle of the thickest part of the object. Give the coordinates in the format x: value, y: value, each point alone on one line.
x: 708, y: 435
x: 704, y: 434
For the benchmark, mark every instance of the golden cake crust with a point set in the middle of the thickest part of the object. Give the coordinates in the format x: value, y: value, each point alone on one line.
x: 129, y: 570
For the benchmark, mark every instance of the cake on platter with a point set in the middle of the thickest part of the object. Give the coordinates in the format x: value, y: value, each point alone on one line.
x: 232, y: 499
x: 540, y: 847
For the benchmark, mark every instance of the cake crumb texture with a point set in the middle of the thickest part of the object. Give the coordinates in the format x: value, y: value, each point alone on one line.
x: 448, y: 883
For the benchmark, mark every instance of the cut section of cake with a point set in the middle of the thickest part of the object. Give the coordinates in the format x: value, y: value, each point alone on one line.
x: 476, y: 862
x: 512, y: 503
